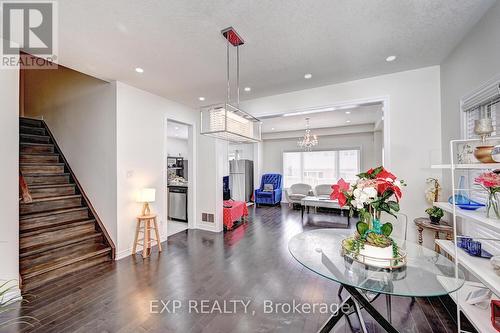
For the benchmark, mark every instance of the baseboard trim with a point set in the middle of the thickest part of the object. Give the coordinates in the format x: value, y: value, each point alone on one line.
x: 13, y: 294
x: 128, y: 252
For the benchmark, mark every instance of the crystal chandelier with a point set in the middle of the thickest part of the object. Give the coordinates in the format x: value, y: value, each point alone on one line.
x: 309, y: 140
x: 227, y: 121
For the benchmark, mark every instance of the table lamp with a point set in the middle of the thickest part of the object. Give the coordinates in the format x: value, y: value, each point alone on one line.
x: 146, y: 195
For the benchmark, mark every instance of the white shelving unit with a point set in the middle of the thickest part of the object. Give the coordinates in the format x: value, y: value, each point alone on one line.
x: 478, y: 216
x: 480, y: 318
x: 480, y: 268
x: 475, y: 166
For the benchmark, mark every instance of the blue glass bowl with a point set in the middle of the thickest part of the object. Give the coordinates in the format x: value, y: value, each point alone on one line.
x: 465, y: 203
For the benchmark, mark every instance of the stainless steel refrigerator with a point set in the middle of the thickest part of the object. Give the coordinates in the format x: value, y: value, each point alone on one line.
x: 241, y: 179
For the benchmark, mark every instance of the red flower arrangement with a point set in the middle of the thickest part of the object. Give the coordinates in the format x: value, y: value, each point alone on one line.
x: 490, y: 181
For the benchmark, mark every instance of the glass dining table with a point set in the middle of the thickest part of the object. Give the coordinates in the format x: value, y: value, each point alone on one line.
x: 426, y: 274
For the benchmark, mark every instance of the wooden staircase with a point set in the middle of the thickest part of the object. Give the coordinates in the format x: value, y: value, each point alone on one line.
x: 60, y: 232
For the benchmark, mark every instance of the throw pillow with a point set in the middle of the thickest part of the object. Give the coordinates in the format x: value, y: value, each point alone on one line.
x: 268, y: 187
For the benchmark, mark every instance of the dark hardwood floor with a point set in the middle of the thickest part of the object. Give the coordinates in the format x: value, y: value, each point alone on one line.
x: 250, y: 263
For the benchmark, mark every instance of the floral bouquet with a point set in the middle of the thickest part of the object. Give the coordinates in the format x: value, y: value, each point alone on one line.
x: 375, y: 191
x: 490, y: 181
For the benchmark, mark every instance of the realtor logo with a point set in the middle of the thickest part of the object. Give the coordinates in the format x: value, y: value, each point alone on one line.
x: 28, y: 26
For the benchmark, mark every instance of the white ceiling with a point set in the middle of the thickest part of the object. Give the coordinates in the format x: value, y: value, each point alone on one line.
x: 177, y: 130
x: 337, y: 118
x: 179, y: 46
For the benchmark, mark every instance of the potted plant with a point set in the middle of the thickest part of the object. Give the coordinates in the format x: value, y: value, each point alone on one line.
x: 435, y: 214
x: 375, y: 191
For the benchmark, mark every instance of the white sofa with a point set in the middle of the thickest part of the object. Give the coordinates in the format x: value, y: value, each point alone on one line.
x: 295, y: 193
x: 323, y: 190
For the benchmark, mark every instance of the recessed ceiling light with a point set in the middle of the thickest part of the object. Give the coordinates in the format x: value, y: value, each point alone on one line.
x: 348, y: 121
x: 348, y: 112
x: 308, y: 76
x: 139, y: 70
x: 390, y: 58
x: 272, y: 128
x: 248, y: 89
x: 176, y: 128
x: 201, y: 98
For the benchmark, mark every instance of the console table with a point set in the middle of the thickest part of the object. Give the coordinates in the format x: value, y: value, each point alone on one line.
x: 425, y: 223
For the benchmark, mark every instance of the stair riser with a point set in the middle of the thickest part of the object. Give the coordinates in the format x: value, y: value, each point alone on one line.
x: 38, y: 158
x: 52, y: 192
x: 30, y: 149
x: 81, y: 249
x: 53, y: 237
x: 30, y: 122
x: 32, y: 130
x: 41, y: 169
x: 35, y: 223
x: 34, y: 139
x: 38, y: 207
x: 30, y: 251
x: 45, y: 180
x: 40, y: 280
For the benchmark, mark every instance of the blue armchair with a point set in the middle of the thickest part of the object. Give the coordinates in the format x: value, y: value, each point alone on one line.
x: 269, y: 197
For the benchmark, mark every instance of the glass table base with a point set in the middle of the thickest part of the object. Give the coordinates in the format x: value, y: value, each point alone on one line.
x: 358, y: 301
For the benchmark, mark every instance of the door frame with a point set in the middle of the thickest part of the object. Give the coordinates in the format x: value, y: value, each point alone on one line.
x: 192, y: 170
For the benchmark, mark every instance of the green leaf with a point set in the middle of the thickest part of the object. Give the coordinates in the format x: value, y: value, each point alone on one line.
x: 361, y: 227
x: 387, y: 229
x: 393, y: 205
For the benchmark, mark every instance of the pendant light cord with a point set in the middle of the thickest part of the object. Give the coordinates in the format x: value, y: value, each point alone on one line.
x: 227, y: 67
x: 238, y: 75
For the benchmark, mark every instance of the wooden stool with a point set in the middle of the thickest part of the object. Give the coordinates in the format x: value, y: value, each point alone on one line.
x: 149, y: 223
x: 425, y: 223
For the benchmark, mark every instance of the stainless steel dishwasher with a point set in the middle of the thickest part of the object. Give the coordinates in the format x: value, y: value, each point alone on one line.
x: 177, y: 203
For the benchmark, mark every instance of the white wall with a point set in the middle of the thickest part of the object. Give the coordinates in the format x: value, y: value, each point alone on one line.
x: 178, y: 147
x: 80, y: 111
x: 141, y: 143
x: 9, y: 174
x: 413, y: 121
x: 245, y: 151
x: 272, y: 161
x: 474, y: 61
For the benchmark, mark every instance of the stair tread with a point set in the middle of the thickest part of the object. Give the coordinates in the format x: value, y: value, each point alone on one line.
x: 53, y: 212
x: 62, y: 197
x: 54, y: 227
x: 33, y: 187
x: 35, y: 228
x: 73, y: 254
x: 47, y: 246
x: 35, y: 135
x: 48, y: 174
x: 37, y: 144
x: 39, y: 154
x: 41, y: 164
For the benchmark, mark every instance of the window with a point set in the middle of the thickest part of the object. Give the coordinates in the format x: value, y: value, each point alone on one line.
x: 320, y: 167
x: 488, y: 107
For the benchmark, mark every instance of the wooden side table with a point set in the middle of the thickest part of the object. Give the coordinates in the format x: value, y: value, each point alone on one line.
x: 148, y: 225
x: 425, y: 223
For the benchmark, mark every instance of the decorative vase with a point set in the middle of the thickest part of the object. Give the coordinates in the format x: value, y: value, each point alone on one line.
x: 483, y: 154
x: 434, y: 219
x: 492, y: 205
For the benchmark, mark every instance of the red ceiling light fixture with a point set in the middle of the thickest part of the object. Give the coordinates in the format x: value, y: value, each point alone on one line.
x: 232, y: 36
x: 227, y: 121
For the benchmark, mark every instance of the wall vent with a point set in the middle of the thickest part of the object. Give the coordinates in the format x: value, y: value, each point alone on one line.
x: 207, y: 217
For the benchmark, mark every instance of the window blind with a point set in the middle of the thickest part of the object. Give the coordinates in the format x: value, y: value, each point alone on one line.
x: 485, y: 103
